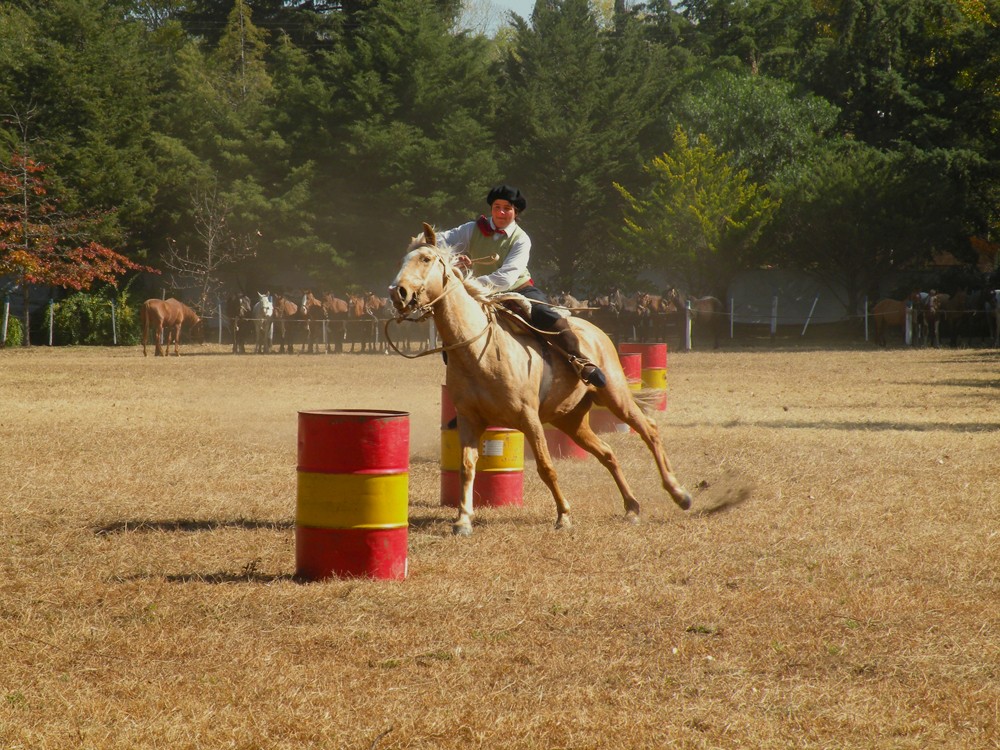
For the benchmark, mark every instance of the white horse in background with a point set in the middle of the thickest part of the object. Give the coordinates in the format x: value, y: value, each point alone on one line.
x: 263, y: 314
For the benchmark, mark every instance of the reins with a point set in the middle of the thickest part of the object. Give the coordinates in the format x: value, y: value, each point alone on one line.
x: 427, y: 310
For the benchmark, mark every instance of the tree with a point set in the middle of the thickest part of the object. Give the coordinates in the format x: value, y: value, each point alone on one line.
x: 39, y: 244
x: 698, y: 217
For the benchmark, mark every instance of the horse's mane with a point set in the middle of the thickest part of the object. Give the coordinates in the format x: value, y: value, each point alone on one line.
x: 476, y: 289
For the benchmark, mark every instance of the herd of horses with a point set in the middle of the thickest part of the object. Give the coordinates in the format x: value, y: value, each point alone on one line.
x: 268, y: 322
x: 965, y: 316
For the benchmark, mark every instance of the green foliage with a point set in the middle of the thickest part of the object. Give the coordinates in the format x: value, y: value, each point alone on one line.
x: 84, y: 318
x: 698, y: 218
x: 15, y: 336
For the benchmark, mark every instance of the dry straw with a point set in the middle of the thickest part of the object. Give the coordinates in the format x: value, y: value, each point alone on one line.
x: 835, y: 585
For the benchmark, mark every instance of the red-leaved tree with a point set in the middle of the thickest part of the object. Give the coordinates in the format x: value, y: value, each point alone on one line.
x: 39, y: 244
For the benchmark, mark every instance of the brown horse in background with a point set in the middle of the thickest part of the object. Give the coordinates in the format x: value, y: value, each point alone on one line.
x: 707, y: 313
x: 170, y: 315
x: 315, y: 315
x: 499, y: 373
x: 286, y: 319
x: 888, y: 313
x: 336, y: 312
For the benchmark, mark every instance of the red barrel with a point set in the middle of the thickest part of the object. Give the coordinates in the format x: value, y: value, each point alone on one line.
x: 499, y: 471
x: 351, y: 512
x: 602, y: 420
x: 561, y: 445
x: 654, y: 368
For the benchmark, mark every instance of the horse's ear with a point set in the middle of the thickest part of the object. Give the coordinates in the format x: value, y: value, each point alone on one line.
x: 429, y: 237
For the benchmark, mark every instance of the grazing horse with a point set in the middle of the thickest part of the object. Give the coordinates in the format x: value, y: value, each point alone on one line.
x: 498, y: 373
x: 707, y: 313
x: 263, y: 314
x: 238, y: 309
x: 170, y: 315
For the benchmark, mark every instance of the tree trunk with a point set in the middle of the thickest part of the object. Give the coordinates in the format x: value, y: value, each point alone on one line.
x: 26, y: 334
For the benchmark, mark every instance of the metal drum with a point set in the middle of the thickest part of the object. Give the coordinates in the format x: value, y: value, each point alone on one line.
x: 351, y: 513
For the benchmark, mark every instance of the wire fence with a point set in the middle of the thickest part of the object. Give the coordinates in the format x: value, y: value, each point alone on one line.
x: 364, y: 334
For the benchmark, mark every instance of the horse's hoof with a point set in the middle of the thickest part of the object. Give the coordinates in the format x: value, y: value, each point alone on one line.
x: 632, y: 518
x: 461, y: 529
x: 685, y: 500
x: 563, y: 523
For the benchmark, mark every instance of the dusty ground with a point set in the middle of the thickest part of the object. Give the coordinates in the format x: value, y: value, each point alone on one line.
x: 835, y: 585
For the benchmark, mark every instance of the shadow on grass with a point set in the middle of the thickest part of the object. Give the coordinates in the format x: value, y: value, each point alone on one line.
x: 141, y: 526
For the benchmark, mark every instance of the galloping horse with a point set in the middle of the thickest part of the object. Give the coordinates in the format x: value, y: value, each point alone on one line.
x: 500, y: 374
x: 263, y: 312
x: 171, y: 315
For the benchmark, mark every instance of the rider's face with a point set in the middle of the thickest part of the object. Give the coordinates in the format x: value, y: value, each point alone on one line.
x: 503, y: 213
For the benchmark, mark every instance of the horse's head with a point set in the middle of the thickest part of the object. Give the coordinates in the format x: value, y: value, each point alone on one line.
x: 264, y: 307
x: 421, y: 278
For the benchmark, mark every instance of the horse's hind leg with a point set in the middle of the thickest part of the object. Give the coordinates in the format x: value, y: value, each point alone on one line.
x: 578, y: 428
x: 650, y: 434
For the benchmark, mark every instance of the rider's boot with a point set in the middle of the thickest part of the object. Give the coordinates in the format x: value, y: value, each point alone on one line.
x: 567, y: 340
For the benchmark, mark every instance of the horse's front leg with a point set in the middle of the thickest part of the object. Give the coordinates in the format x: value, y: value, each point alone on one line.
x: 468, y: 435
x: 534, y: 433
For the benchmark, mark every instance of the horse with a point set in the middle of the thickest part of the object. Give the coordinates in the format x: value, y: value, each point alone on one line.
x: 362, y: 325
x: 263, y: 312
x: 929, y: 309
x: 336, y: 313
x: 238, y: 309
x: 170, y: 315
x: 381, y: 309
x: 287, y: 316
x: 315, y: 315
x: 500, y: 374
x: 885, y: 313
x: 706, y: 313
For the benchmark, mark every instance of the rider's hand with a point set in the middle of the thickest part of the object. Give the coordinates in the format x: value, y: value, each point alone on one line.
x: 463, y: 262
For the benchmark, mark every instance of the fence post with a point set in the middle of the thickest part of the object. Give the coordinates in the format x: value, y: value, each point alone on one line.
x: 218, y: 306
x: 811, y: 311
x: 52, y: 319
x: 114, y: 325
x: 687, y: 326
x: 774, y: 317
x: 6, y: 318
x: 732, y: 316
x: 908, y: 324
x: 866, y: 317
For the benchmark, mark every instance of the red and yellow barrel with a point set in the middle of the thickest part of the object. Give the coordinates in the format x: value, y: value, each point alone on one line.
x: 654, y: 368
x: 351, y: 512
x: 602, y: 420
x: 499, y: 471
x: 561, y: 445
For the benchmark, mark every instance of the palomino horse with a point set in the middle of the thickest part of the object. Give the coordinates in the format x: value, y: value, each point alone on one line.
x: 170, y: 315
x: 499, y: 374
x: 263, y: 313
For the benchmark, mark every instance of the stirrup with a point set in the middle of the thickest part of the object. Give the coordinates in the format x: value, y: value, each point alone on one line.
x: 588, y: 372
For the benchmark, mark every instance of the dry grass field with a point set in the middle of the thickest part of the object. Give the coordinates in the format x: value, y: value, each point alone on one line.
x: 835, y: 585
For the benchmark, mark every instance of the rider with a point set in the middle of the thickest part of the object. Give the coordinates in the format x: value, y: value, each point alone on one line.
x: 502, y: 235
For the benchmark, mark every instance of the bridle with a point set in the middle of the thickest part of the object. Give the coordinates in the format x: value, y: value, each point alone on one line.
x: 424, y: 311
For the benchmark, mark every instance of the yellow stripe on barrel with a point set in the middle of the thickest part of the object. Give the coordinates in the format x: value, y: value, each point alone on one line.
x: 352, y: 501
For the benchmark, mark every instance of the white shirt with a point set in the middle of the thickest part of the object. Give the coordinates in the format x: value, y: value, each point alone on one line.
x: 513, y: 267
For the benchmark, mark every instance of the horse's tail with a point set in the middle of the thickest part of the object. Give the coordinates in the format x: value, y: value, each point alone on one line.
x: 648, y: 399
